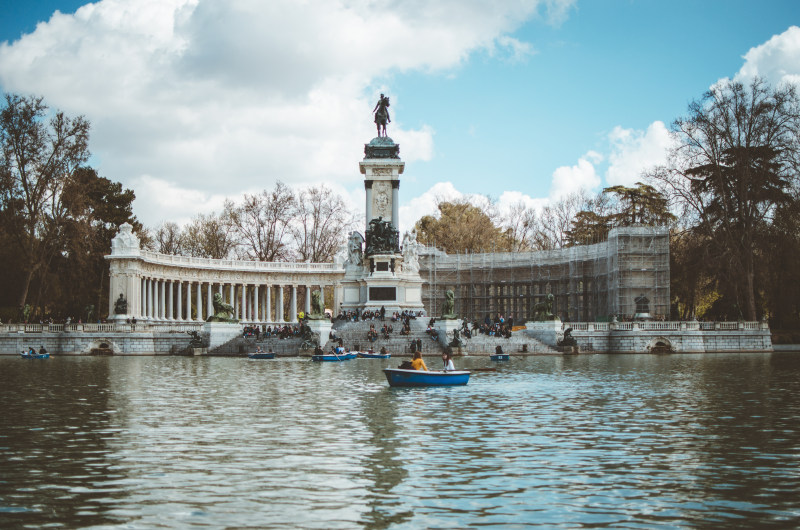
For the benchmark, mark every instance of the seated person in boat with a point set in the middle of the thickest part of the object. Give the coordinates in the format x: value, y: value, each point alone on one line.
x: 383, y: 350
x: 498, y: 350
x: 447, y: 359
x: 417, y: 363
x: 43, y: 350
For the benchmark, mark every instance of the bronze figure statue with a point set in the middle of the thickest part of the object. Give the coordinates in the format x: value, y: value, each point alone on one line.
x: 381, y: 112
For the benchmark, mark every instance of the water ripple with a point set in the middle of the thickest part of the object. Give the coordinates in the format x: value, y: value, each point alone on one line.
x: 588, y: 441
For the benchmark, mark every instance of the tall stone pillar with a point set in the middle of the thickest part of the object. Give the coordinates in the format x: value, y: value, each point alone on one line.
x: 188, y: 301
x: 152, y: 303
x: 170, y: 312
x: 199, y: 302
x: 163, y: 294
x: 178, y: 298
x: 307, y: 307
x: 293, y: 307
x: 256, y: 314
x: 209, y: 300
x: 368, y: 189
x: 143, y: 305
x: 269, y: 303
x: 396, y: 204
x: 279, y: 308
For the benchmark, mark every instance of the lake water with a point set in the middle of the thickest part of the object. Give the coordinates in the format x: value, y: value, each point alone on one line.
x: 631, y: 441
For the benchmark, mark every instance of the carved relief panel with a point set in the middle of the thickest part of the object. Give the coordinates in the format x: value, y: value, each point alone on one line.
x: 382, y: 199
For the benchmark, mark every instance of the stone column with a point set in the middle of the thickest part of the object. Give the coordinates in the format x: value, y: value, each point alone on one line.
x: 188, y: 301
x: 269, y: 303
x: 162, y: 305
x: 170, y: 312
x: 368, y: 188
x: 199, y: 302
x: 209, y: 301
x: 230, y: 294
x: 279, y: 308
x: 307, y: 308
x: 293, y: 307
x: 256, y: 314
x: 396, y: 204
x: 143, y: 296
x: 178, y: 297
x: 244, y: 303
x: 152, y: 295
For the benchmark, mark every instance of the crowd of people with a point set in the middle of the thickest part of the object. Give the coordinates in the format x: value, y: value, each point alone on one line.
x: 278, y: 332
x: 377, y: 314
x: 385, y: 331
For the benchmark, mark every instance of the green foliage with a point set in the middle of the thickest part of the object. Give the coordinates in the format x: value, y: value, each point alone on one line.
x: 461, y: 227
x: 57, y: 216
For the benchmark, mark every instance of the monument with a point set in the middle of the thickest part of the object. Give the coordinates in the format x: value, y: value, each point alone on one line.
x: 379, y: 272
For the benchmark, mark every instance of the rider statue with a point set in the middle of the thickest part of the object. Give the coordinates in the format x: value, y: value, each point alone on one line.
x: 381, y: 112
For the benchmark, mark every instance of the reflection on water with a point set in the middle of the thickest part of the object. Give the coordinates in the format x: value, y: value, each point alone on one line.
x: 594, y: 440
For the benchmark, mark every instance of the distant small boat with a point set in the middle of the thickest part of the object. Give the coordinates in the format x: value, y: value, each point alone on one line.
x: 372, y: 355
x: 26, y: 355
x: 262, y: 355
x: 333, y: 357
x: 499, y: 357
x: 402, y: 377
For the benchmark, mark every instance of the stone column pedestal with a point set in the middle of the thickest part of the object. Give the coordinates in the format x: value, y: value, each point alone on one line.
x: 548, y: 332
x: 445, y: 328
x: 218, y: 333
x: 322, y: 328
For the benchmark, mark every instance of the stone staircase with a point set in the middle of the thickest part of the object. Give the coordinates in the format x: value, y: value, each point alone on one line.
x: 242, y: 346
x: 519, y: 342
x: 354, y: 336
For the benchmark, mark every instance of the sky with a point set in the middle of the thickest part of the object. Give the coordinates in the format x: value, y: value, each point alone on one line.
x: 195, y: 101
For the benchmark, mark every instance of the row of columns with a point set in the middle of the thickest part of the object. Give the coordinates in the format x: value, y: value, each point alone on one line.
x: 173, y: 300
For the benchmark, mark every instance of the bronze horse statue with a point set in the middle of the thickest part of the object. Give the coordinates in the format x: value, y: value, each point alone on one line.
x: 381, y: 112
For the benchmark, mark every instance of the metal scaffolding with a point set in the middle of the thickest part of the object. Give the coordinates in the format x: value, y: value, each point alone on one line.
x: 589, y: 282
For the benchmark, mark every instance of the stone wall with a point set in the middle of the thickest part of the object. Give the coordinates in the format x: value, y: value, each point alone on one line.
x: 83, y: 343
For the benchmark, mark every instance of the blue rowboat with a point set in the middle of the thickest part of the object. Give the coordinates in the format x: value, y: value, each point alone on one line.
x: 401, y: 377
x: 372, y: 355
x: 262, y: 355
x: 499, y: 357
x: 26, y: 355
x: 332, y: 357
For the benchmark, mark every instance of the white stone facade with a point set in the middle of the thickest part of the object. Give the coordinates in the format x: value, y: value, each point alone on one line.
x: 167, y: 288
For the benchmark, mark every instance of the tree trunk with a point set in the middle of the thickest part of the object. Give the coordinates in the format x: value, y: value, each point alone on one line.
x: 750, y: 295
x: 23, y: 297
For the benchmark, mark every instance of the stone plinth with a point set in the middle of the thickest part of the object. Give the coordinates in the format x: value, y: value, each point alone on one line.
x: 548, y: 332
x: 216, y: 334
x: 322, y: 328
x: 445, y: 328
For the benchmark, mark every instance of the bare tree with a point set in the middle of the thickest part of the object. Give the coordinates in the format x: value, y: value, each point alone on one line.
x: 322, y: 222
x: 37, y: 156
x: 262, y: 223
x: 210, y: 236
x: 168, y: 239
x: 520, y: 224
x: 735, y: 163
x: 556, y: 219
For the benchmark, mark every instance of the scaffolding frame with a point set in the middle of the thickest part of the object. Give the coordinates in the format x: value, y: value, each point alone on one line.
x: 589, y: 282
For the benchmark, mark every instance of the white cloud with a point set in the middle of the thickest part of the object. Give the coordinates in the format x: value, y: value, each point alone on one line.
x: 777, y: 60
x: 633, y: 152
x: 222, y: 97
x: 570, y: 179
